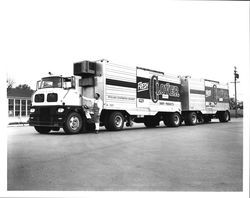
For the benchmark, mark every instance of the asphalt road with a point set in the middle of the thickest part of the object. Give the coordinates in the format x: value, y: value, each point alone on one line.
x: 204, y: 157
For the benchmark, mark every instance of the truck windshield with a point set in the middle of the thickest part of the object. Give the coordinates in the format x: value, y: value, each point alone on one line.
x: 51, y: 82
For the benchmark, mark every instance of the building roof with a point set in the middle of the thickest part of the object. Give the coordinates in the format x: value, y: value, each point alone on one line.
x: 17, y: 92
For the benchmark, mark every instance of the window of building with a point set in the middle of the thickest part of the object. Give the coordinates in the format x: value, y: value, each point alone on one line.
x: 23, y: 108
x: 17, y: 107
x: 28, y: 106
x: 11, y: 107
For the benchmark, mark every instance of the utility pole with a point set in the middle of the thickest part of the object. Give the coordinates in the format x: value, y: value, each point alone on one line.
x: 236, y: 76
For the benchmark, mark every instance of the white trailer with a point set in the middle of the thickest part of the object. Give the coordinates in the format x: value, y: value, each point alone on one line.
x: 203, y: 100
x: 129, y: 94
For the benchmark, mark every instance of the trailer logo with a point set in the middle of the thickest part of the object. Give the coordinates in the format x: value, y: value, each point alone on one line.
x: 142, y: 87
x: 158, y: 88
x: 212, y: 95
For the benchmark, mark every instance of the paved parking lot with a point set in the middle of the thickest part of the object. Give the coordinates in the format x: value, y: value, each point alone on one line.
x: 205, y: 157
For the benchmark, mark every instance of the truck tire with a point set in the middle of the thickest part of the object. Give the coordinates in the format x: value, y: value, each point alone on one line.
x: 151, y: 121
x: 42, y: 130
x: 224, y: 116
x: 115, y: 121
x: 191, y: 118
x: 106, y: 122
x: 106, y: 125
x: 172, y: 120
x: 73, y: 123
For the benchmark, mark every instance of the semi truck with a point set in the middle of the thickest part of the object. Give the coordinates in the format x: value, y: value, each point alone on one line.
x: 129, y: 94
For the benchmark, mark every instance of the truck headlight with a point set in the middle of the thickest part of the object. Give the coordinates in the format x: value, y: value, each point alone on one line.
x: 32, y: 110
x: 60, y: 110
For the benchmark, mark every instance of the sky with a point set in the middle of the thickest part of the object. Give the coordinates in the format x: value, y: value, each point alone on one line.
x: 203, y: 39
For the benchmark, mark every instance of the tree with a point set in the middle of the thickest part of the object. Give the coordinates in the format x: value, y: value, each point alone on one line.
x: 20, y: 89
x: 233, y: 104
x: 10, y: 83
x: 23, y: 87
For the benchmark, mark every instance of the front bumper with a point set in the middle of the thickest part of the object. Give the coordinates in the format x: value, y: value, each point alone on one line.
x: 47, y: 116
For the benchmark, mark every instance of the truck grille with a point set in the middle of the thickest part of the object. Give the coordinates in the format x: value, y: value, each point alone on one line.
x: 44, y: 114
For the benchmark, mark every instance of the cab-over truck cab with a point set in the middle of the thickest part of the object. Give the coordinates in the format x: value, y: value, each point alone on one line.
x: 56, y: 102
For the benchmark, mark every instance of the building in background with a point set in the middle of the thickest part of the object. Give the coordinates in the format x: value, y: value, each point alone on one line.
x: 19, y: 102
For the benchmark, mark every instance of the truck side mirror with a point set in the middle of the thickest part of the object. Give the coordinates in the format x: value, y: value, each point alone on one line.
x: 38, y: 84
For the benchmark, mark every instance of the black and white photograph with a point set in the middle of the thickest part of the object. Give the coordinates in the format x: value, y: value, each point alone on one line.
x: 125, y: 97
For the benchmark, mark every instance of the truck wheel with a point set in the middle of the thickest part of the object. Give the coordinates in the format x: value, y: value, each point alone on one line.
x: 115, y: 121
x: 42, y: 130
x: 224, y: 116
x: 151, y: 121
x: 206, y: 118
x: 191, y: 118
x: 73, y: 123
x: 173, y: 120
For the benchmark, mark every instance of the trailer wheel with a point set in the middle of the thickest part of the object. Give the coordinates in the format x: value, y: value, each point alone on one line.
x: 151, y: 121
x: 173, y: 120
x: 115, y: 121
x: 73, y: 123
x: 224, y: 116
x: 191, y: 118
x: 42, y: 130
x: 207, y: 119
x: 201, y: 119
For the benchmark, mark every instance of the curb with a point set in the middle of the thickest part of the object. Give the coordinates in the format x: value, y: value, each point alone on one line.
x: 18, y: 124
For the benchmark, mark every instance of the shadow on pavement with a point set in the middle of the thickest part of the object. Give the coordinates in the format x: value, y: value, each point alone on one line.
x: 145, y: 129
